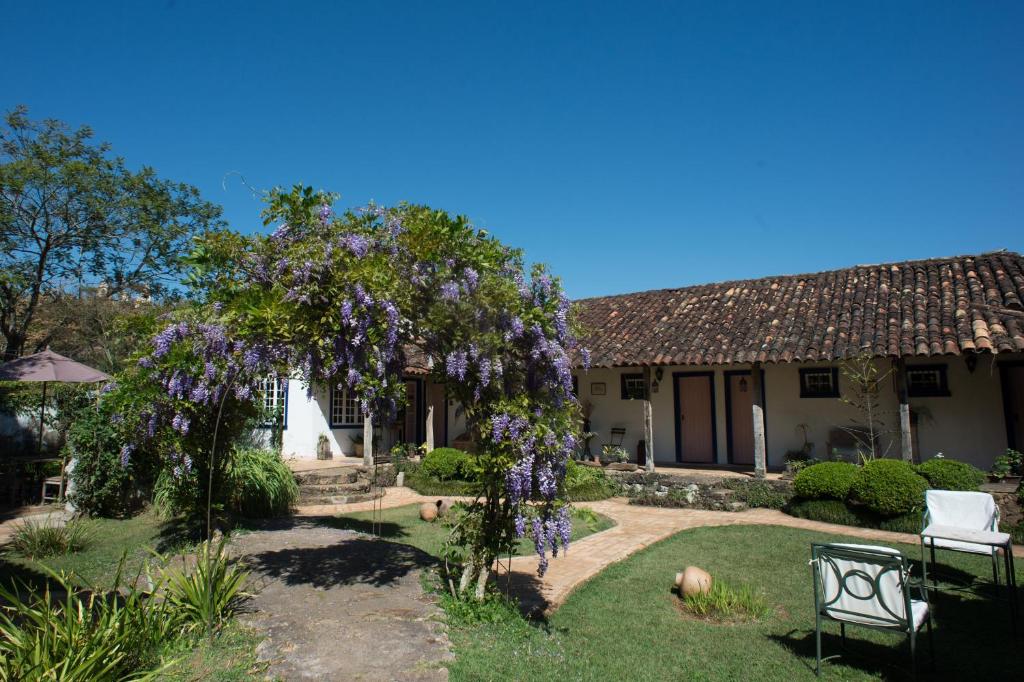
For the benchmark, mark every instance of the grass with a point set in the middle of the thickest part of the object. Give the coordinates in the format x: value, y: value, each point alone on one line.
x: 228, y: 657
x: 726, y: 603
x: 403, y: 524
x: 625, y: 623
x: 96, y: 564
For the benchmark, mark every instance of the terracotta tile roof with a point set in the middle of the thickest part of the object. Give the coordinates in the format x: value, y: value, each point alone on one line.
x: 914, y: 308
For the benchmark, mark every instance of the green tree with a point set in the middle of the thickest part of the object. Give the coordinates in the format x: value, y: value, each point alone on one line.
x: 72, y: 215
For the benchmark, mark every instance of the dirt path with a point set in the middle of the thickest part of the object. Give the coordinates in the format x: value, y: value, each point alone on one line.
x: 336, y: 605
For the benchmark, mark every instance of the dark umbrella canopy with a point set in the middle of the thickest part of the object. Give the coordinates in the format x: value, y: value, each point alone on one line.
x: 50, y: 366
x: 46, y: 367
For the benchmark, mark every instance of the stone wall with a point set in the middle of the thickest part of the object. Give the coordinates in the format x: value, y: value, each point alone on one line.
x: 719, y: 493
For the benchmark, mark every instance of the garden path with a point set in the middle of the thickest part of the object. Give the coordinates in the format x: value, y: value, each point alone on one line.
x: 337, y: 605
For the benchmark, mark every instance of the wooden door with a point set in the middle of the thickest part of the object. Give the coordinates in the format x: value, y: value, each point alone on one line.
x: 741, y: 419
x: 1013, y: 394
x: 695, y: 418
x: 410, y: 420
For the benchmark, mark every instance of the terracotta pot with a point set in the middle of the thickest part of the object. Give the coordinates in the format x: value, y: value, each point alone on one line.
x: 695, y: 581
x: 428, y: 511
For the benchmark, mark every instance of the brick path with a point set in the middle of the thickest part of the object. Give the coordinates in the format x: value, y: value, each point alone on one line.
x: 636, y: 528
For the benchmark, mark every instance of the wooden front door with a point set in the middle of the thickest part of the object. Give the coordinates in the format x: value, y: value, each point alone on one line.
x: 741, y: 419
x: 436, y: 397
x: 695, y: 425
x: 1013, y: 395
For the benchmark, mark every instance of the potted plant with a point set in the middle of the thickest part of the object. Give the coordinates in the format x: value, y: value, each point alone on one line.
x: 323, y: 447
x: 1007, y: 468
x: 613, y: 454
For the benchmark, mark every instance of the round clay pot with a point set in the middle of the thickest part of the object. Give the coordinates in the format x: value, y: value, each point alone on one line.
x: 428, y: 511
x: 443, y: 507
x: 695, y: 581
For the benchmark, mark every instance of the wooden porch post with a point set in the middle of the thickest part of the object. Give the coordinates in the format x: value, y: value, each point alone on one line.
x: 648, y: 423
x: 906, y: 437
x: 760, y: 459
x: 429, y: 445
x: 368, y: 440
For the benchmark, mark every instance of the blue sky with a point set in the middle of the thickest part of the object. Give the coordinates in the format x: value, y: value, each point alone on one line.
x: 630, y: 146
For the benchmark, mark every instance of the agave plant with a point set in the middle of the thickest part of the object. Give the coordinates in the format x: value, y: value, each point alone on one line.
x: 64, y: 632
x: 211, y: 593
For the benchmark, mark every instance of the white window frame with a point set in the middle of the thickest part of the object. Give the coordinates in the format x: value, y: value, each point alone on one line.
x: 274, y: 396
x: 345, y: 411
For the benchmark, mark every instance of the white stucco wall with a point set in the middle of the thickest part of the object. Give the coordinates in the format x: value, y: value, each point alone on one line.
x: 968, y: 425
x: 307, y: 419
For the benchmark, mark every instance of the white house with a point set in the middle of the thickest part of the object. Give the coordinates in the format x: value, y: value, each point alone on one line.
x: 730, y: 369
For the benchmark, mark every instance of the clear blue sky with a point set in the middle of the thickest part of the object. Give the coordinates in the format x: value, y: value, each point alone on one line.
x: 632, y: 146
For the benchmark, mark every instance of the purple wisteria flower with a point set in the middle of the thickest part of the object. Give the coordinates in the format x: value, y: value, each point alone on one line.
x: 457, y: 365
x: 450, y: 291
x: 126, y: 453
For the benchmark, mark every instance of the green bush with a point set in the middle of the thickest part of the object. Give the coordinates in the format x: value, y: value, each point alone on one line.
x: 889, y: 487
x: 447, y: 464
x: 835, y: 511
x: 102, y: 484
x: 424, y: 484
x: 727, y: 603
x: 949, y: 474
x: 825, y: 481
x: 826, y: 511
x: 759, y: 494
x: 259, y: 484
x: 35, y: 539
x: 585, y: 483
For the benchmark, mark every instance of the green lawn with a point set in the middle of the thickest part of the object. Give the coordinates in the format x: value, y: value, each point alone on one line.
x: 403, y: 524
x: 97, y: 564
x: 624, y: 624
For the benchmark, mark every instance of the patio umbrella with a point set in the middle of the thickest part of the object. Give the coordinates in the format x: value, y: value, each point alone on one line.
x: 49, y: 367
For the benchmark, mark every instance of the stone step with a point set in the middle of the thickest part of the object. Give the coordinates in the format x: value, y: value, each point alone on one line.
x: 339, y: 499
x: 334, y: 488
x: 325, y: 476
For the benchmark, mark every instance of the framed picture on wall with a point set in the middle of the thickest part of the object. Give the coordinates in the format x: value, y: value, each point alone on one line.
x: 598, y: 388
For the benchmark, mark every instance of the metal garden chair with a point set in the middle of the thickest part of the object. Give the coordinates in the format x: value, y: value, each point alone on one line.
x: 618, y: 434
x: 867, y: 586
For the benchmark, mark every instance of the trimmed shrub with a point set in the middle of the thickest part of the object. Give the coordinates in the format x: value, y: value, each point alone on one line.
x: 418, y: 480
x: 949, y: 474
x: 834, y: 511
x: 825, y: 481
x: 889, y: 487
x: 259, y: 484
x: 446, y: 464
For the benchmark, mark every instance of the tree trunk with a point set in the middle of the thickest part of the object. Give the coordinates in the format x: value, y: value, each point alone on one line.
x: 368, y: 440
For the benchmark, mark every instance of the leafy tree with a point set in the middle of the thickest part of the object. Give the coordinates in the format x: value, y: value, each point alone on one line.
x: 352, y: 300
x: 73, y: 216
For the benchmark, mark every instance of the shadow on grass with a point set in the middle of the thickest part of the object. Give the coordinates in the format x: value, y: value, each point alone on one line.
x: 962, y: 622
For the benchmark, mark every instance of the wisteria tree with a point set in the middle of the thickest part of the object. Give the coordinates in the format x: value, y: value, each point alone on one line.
x: 350, y: 299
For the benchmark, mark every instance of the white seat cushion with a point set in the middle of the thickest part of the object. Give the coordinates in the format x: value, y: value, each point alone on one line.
x: 959, y: 546
x: 918, y: 608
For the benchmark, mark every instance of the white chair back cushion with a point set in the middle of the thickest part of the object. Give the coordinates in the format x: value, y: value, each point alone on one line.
x: 961, y: 509
x: 849, y: 587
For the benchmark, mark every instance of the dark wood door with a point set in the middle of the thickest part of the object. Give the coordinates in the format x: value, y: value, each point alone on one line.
x: 1013, y: 395
x: 741, y: 419
x: 696, y: 419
